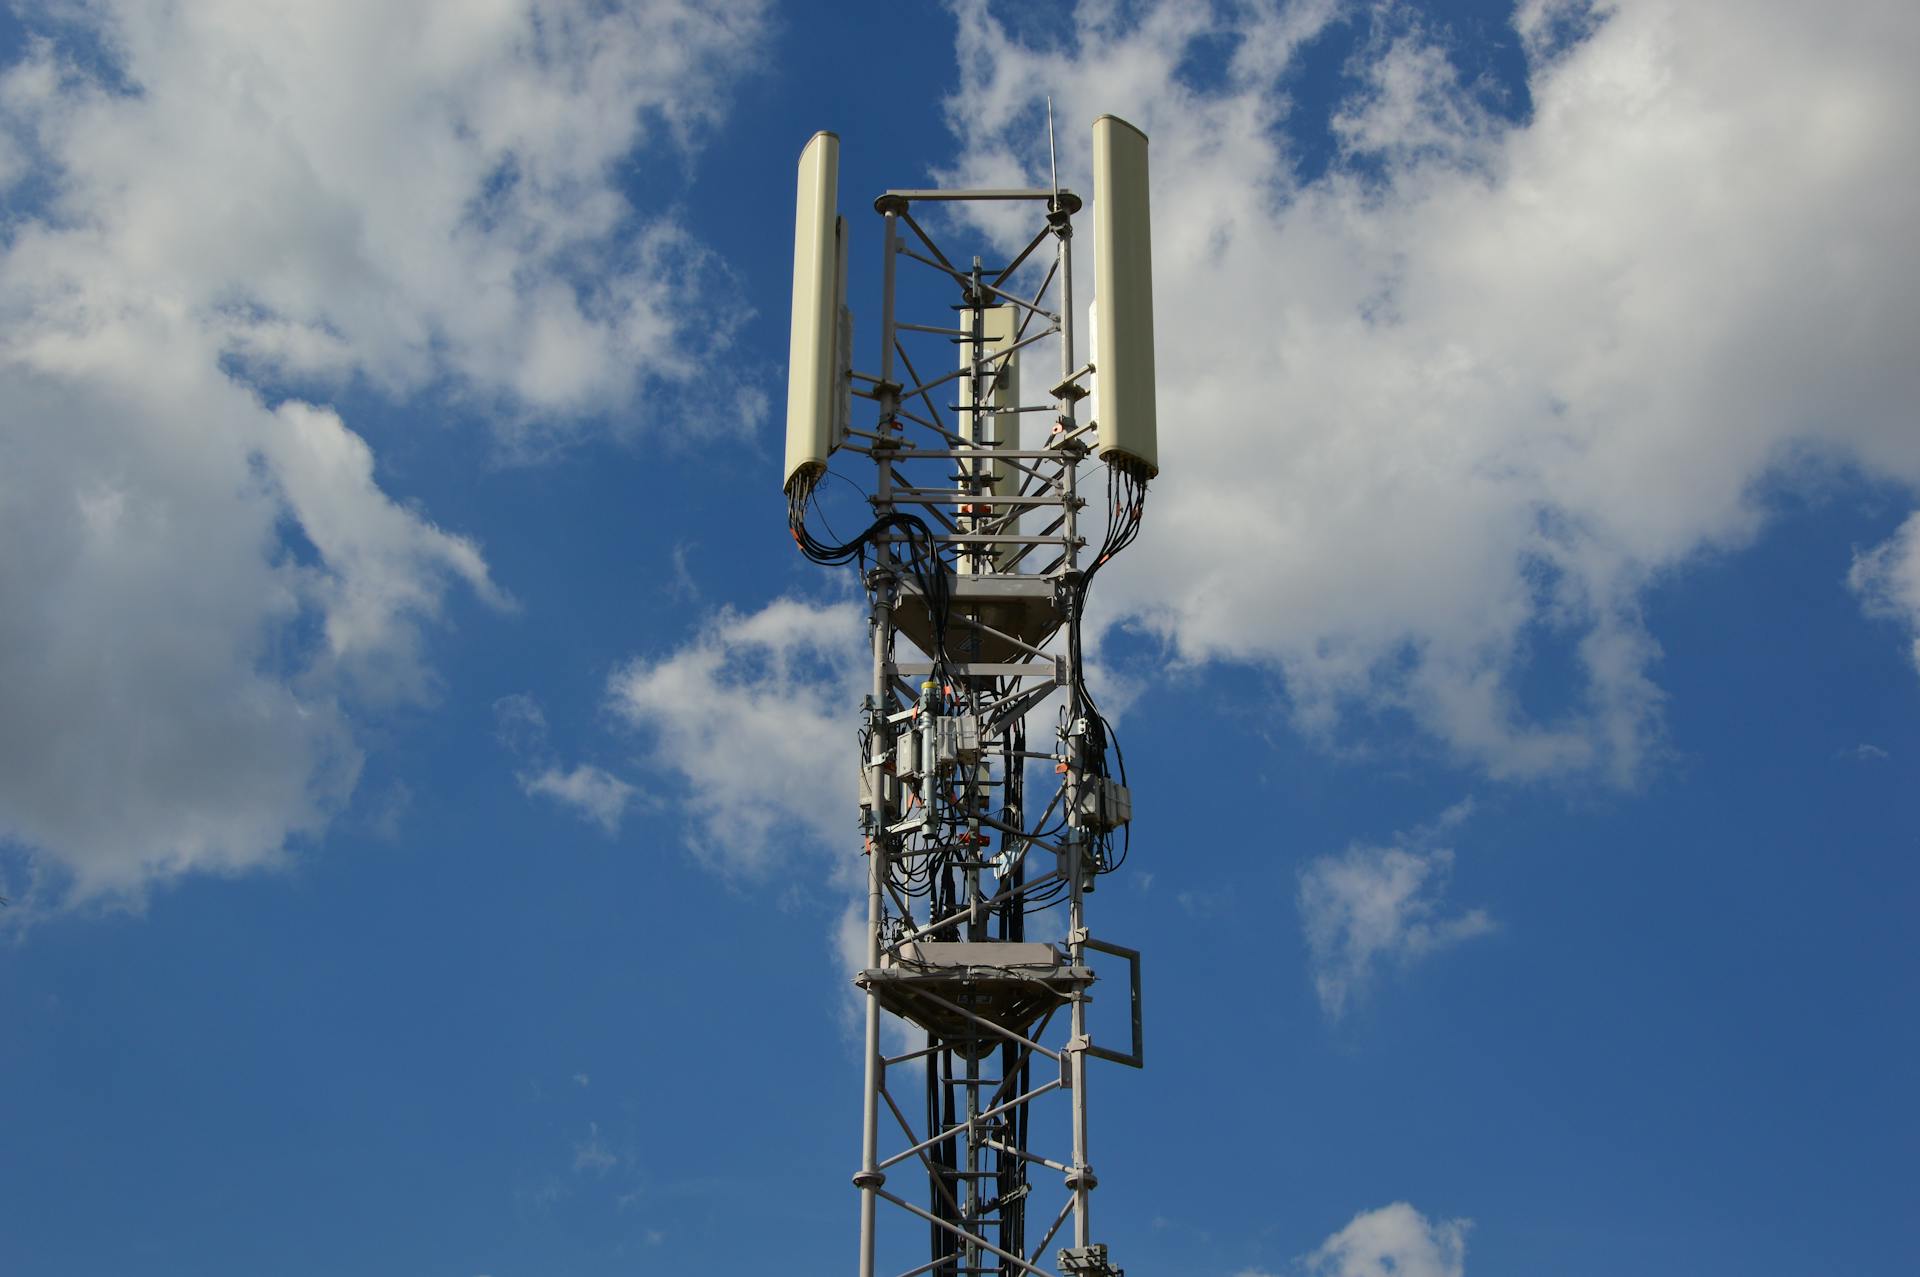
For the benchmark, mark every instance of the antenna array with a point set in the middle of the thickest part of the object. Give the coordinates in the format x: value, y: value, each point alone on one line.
x: 979, y: 557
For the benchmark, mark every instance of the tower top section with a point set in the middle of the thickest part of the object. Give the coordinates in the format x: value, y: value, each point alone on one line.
x: 1118, y: 374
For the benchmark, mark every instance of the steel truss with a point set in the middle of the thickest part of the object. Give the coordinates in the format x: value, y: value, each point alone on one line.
x: 978, y: 559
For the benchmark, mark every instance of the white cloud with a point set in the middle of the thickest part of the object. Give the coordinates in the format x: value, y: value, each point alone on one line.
x: 595, y: 793
x: 207, y: 588
x: 347, y: 188
x: 158, y: 710
x: 381, y: 567
x: 1368, y: 907
x: 1455, y: 404
x: 1393, y: 1241
x: 1887, y: 579
x: 755, y: 718
x: 850, y: 938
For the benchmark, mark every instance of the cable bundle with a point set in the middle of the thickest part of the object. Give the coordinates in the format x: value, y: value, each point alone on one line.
x: 1126, y: 501
x: 922, y: 560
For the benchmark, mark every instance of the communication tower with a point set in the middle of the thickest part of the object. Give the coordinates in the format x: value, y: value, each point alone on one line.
x: 977, y: 564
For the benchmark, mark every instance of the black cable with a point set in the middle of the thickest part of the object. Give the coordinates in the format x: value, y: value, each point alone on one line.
x: 922, y: 560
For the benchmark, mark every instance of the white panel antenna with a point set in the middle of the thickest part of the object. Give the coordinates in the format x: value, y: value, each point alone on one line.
x: 994, y: 424
x: 1123, y: 301
x: 816, y: 387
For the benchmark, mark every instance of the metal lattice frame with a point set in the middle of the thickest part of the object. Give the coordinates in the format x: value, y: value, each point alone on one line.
x: 957, y: 852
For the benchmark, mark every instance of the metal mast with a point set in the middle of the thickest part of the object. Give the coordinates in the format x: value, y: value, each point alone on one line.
x: 975, y: 1135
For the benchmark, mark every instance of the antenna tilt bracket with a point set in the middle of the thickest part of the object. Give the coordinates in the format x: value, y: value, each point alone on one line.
x: 1088, y: 1261
x: 1071, y: 387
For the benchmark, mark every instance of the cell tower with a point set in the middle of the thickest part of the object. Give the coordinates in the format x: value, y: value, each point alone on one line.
x: 978, y: 556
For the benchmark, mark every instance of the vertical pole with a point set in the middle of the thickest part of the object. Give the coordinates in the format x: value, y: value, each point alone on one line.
x: 1080, y: 1179
x: 1070, y: 464
x: 974, y: 1136
x: 978, y: 397
x: 1064, y: 234
x: 891, y: 214
x: 876, y: 876
x: 967, y: 426
x: 880, y: 627
x: 870, y: 1177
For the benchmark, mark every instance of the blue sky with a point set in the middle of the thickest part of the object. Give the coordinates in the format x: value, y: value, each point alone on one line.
x: 426, y: 803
